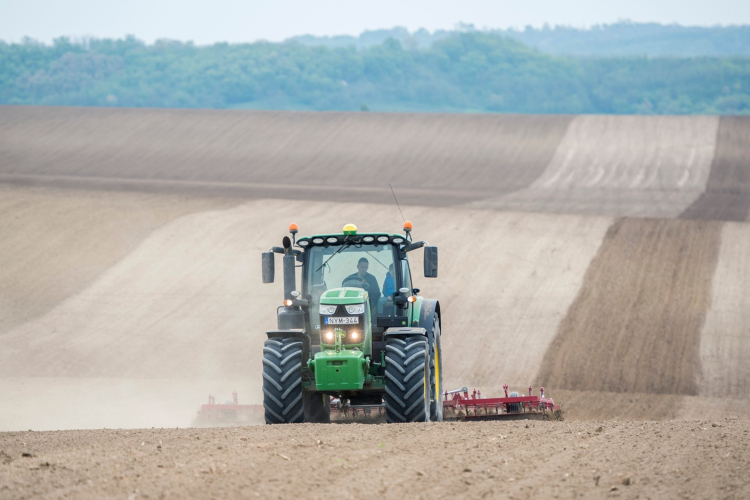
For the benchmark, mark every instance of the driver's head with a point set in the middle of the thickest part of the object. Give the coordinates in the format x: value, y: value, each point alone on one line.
x: 362, y: 266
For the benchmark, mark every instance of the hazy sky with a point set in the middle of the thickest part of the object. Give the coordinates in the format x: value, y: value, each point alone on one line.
x: 249, y: 20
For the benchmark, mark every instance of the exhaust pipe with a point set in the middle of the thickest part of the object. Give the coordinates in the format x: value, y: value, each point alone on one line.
x: 290, y: 281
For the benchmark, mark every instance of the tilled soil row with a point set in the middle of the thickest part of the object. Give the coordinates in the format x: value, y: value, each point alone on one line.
x: 333, y: 152
x: 56, y: 242
x: 727, y: 195
x: 636, y: 323
x: 630, y: 166
x: 633, y: 166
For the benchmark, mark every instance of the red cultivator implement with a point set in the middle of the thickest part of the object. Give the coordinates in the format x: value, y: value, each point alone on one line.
x: 344, y: 413
x: 459, y: 405
x: 228, y: 414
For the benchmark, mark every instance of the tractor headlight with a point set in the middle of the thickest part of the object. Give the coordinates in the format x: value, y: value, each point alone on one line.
x: 329, y: 336
x: 356, y: 309
x: 318, y: 241
x: 303, y: 243
x: 354, y: 336
x: 398, y: 241
x: 327, y: 310
x: 382, y: 239
x: 368, y: 239
x: 332, y: 239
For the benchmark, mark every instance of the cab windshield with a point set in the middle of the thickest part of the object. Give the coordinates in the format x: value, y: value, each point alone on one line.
x: 368, y: 267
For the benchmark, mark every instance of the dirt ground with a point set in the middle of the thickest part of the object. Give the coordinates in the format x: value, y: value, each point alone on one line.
x: 593, y: 459
x: 190, y: 289
x: 631, y: 166
x: 175, y: 294
x: 725, y: 340
x: 639, y: 314
x: 621, y: 166
x: 56, y: 242
x: 727, y: 195
x: 437, y: 158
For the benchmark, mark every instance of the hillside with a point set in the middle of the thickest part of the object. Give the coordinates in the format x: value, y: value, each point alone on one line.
x: 131, y: 242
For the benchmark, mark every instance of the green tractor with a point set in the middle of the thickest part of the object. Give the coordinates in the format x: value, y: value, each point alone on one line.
x: 355, y: 330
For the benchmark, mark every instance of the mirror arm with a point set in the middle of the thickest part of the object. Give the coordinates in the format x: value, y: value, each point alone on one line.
x: 281, y: 251
x: 415, y: 245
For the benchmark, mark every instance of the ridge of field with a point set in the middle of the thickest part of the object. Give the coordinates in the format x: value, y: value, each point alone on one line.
x: 186, y: 302
x: 192, y: 288
x: 641, y: 310
x: 164, y: 288
x: 638, y: 166
x: 56, y: 242
x: 422, y: 152
x: 727, y: 195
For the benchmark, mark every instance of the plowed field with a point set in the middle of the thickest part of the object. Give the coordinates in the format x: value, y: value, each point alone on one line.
x: 606, y: 258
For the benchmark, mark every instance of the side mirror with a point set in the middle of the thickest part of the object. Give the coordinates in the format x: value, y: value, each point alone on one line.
x: 430, y: 262
x: 267, y: 264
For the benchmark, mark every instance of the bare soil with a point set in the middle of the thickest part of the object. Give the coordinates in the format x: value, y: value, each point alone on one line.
x: 727, y: 195
x: 56, y: 242
x: 129, y: 291
x: 185, y: 302
x: 636, y: 323
x: 696, y: 459
x: 725, y: 340
x: 632, y: 166
x: 236, y: 152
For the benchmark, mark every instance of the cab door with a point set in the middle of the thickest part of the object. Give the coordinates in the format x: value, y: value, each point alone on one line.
x: 406, y: 283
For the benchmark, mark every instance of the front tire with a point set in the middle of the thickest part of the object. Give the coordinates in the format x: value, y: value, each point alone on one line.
x: 282, y: 381
x: 407, y: 380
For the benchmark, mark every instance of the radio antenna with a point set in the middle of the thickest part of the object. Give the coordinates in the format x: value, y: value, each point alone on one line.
x: 399, y: 206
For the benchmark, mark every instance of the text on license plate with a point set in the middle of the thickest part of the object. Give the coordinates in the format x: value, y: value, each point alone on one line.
x: 354, y: 320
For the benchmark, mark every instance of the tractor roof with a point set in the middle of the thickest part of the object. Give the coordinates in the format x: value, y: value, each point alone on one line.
x: 341, y: 238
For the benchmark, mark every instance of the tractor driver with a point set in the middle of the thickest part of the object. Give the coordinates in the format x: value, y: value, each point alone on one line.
x: 365, y: 280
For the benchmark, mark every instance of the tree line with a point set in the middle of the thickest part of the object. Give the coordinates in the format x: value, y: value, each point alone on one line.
x: 465, y: 72
x: 624, y: 38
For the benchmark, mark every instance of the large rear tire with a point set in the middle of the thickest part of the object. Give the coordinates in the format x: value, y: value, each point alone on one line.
x: 282, y: 381
x: 407, y: 376
x: 436, y: 373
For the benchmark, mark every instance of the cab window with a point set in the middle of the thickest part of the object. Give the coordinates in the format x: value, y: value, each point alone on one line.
x: 406, y: 275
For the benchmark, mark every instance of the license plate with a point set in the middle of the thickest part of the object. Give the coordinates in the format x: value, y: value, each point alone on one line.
x: 353, y: 320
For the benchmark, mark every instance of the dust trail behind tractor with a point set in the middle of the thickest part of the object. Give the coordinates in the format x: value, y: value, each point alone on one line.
x: 229, y: 414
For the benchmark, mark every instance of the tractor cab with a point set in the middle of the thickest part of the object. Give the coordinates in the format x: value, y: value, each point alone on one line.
x: 366, y: 273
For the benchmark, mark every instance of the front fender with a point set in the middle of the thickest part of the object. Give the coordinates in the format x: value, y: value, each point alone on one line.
x: 424, y: 314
